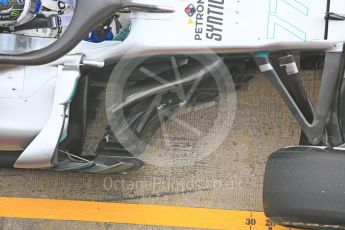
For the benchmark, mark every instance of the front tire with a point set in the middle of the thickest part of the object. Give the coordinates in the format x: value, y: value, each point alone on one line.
x: 305, y: 187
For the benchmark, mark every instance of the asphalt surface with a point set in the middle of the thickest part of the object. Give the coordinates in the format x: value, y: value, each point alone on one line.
x: 229, y: 178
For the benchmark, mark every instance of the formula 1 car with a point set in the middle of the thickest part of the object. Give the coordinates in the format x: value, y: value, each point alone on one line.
x: 46, y: 95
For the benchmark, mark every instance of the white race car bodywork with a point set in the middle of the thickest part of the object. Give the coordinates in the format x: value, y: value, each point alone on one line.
x: 231, y: 26
x: 34, y: 100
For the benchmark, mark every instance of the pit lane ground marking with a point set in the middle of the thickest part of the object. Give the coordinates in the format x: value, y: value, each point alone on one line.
x: 139, y: 214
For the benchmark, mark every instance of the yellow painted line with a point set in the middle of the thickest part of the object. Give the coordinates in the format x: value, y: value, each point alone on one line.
x: 133, y: 214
